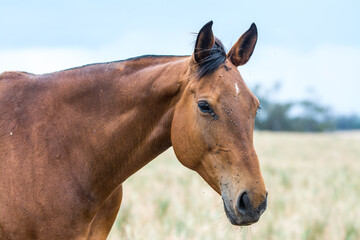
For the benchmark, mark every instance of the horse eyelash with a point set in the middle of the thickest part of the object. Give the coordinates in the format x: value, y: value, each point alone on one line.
x: 258, y: 110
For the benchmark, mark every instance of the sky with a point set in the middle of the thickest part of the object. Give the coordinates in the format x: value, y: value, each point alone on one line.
x: 311, y: 47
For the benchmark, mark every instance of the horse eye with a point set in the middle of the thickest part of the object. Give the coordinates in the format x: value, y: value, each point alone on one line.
x: 204, y: 107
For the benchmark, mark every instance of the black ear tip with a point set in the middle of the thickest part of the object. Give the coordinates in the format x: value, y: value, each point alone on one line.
x: 253, y: 27
x: 208, y: 25
x: 207, y: 28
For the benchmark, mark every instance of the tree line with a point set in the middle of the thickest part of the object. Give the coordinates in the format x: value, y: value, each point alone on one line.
x: 301, y: 116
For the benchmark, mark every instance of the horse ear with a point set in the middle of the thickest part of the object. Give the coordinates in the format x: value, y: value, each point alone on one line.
x: 240, y: 53
x: 204, y: 42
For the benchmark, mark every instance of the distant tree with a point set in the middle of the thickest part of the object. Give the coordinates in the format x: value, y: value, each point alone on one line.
x: 301, y: 116
x: 275, y: 118
x: 347, y: 122
x: 313, y: 118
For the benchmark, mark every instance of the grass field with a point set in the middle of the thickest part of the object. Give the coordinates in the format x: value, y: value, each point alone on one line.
x: 314, y: 193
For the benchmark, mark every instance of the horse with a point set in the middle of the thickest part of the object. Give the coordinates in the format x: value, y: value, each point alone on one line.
x: 69, y: 139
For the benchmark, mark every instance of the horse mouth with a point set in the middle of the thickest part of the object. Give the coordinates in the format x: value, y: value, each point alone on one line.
x: 238, y: 221
x: 229, y: 216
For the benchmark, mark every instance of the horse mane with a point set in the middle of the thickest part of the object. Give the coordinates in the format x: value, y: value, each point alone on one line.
x: 216, y: 57
x: 212, y: 62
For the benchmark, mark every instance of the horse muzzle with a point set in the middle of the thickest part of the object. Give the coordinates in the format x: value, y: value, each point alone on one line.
x: 243, y: 213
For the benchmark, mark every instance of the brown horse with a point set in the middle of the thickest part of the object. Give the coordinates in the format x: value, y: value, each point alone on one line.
x: 69, y: 139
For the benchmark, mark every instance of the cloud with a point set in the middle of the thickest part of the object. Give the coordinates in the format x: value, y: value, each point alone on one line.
x: 43, y: 60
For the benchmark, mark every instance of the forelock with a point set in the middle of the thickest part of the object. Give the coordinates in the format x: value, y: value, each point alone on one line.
x: 212, y: 62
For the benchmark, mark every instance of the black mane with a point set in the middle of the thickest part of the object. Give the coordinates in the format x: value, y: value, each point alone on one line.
x: 216, y: 57
x: 207, y: 66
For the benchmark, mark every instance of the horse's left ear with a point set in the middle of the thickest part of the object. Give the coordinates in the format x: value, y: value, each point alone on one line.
x: 240, y: 53
x: 204, y: 42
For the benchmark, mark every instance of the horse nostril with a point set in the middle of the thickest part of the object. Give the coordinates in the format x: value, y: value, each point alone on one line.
x: 243, y: 203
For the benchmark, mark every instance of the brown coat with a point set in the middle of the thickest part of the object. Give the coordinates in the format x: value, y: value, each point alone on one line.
x: 69, y: 139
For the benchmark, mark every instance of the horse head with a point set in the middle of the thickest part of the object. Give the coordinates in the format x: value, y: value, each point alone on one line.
x: 213, y: 124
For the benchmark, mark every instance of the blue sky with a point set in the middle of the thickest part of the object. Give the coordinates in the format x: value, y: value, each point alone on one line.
x: 311, y: 47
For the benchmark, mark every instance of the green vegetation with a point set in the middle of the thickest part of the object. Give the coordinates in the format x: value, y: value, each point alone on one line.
x: 299, y: 116
x: 312, y: 179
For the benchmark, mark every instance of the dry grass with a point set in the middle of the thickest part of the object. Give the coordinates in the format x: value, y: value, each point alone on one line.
x: 314, y: 193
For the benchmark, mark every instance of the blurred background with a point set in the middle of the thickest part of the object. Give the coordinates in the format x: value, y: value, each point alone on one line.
x: 305, y: 70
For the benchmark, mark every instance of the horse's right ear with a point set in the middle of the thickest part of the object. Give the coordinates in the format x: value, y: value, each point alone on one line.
x: 204, y: 42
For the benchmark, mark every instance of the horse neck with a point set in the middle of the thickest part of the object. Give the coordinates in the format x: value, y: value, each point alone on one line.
x: 127, y: 109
